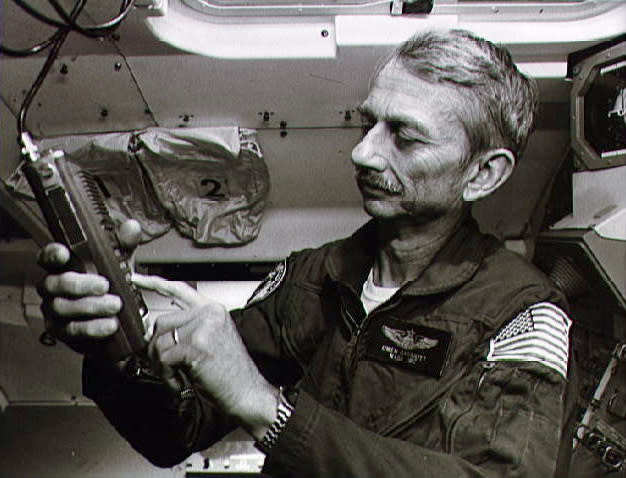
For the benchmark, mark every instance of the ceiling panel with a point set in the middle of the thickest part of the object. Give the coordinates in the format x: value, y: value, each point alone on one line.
x: 91, y: 93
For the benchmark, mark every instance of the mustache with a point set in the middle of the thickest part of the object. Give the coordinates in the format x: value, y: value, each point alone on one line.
x: 371, y: 179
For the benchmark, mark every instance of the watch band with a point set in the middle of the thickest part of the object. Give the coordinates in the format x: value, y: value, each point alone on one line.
x: 284, y: 409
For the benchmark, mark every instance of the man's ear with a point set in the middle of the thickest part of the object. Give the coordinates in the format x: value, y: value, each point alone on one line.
x: 487, y: 172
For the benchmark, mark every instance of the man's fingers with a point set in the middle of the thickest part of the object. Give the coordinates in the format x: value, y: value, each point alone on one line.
x: 53, y: 256
x: 77, y: 330
x: 180, y: 356
x: 86, y: 307
x: 171, y: 378
x: 180, y: 291
x: 162, y: 341
x: 168, y: 322
x: 74, y: 284
x: 163, y: 338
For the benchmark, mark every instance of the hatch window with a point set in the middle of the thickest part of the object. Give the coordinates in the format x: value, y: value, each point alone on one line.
x: 508, y: 9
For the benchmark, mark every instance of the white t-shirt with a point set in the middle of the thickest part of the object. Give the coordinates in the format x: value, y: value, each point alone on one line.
x: 373, y: 295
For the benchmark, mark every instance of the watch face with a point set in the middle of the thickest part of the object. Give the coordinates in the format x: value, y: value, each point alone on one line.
x: 604, y: 110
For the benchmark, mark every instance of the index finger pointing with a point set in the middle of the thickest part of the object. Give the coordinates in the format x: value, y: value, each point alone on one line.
x: 176, y: 290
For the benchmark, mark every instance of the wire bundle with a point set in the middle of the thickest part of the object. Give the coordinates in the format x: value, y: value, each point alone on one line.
x: 66, y: 23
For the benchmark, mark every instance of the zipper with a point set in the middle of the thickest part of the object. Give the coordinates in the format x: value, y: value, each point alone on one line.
x: 355, y: 325
x: 351, y: 360
x: 486, y: 367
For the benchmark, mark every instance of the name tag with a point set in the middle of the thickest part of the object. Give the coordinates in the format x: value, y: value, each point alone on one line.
x: 419, y: 348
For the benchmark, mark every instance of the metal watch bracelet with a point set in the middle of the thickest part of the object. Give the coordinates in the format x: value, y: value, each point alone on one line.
x: 284, y: 409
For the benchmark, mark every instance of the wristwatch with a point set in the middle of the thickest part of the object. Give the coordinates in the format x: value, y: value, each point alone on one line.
x: 286, y: 402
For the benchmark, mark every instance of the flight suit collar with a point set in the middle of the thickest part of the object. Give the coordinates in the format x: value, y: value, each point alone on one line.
x: 350, y: 260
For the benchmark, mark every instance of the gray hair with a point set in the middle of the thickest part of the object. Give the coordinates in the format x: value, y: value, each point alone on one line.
x: 502, y: 100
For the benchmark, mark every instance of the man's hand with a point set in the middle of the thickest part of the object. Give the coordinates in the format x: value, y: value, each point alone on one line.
x: 204, y: 342
x: 77, y: 307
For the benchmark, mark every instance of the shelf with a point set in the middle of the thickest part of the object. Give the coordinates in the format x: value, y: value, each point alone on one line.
x: 282, y: 231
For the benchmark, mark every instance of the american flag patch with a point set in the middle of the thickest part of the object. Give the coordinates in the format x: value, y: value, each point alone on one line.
x: 539, y: 334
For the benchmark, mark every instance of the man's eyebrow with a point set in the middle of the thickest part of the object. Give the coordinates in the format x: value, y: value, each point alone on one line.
x: 409, y: 122
x: 397, y: 119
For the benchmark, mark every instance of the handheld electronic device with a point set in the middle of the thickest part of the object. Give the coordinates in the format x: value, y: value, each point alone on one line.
x: 77, y: 216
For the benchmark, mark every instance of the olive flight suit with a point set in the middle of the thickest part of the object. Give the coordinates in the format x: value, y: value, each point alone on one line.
x: 406, y: 391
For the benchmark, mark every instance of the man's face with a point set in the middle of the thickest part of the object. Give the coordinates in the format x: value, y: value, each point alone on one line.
x: 410, y: 161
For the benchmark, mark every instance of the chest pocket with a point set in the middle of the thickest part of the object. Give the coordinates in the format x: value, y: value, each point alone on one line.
x: 308, y: 318
x: 386, y: 398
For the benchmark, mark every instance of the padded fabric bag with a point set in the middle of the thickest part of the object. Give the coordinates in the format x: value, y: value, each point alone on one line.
x: 209, y: 183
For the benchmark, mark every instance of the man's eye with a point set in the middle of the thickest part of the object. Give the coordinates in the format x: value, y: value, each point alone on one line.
x: 408, y: 138
x: 404, y: 136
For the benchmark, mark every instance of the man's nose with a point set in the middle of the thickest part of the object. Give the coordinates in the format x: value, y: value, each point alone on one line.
x: 369, y: 152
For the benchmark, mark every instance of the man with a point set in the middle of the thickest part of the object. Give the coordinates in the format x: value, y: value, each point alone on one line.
x: 416, y: 347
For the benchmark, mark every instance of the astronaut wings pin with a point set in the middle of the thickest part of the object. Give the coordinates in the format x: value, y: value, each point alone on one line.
x: 416, y: 347
x: 408, y: 339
